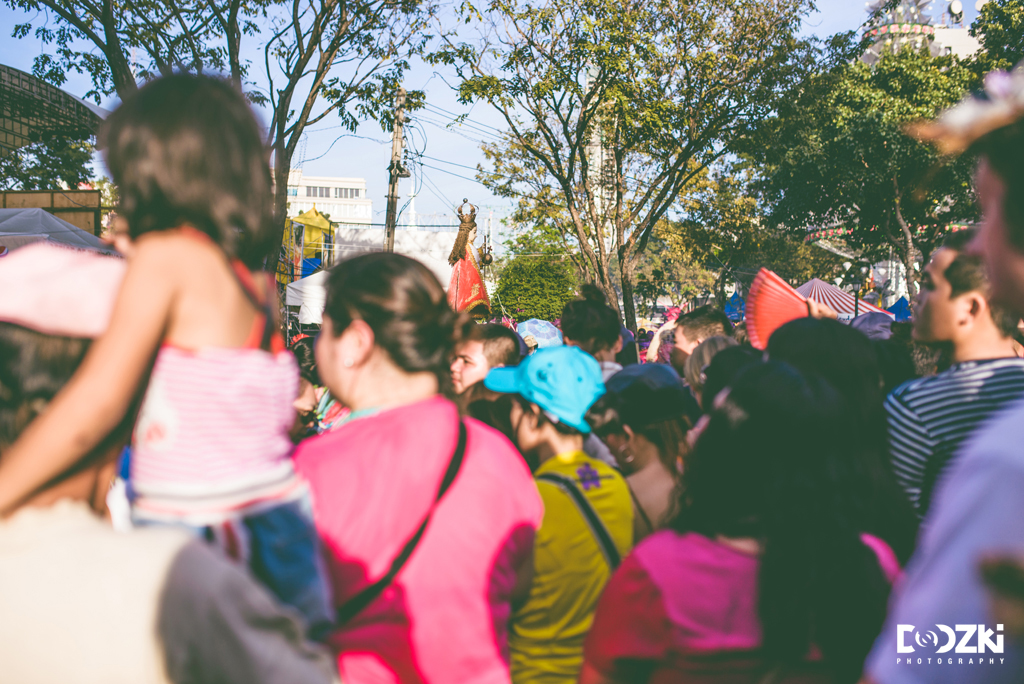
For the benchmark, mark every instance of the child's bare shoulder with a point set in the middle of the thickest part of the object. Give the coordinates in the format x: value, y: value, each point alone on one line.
x: 172, y: 246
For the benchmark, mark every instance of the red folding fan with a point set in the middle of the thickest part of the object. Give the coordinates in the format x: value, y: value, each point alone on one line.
x: 771, y: 304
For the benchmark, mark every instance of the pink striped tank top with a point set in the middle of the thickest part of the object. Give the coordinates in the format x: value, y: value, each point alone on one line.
x: 211, y: 442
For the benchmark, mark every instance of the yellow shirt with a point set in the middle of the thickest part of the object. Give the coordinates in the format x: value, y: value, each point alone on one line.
x: 570, y: 571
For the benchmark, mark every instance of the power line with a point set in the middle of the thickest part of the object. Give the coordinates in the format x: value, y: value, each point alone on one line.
x: 464, y: 119
x: 444, y: 161
x: 452, y: 130
x: 437, y: 192
x: 471, y: 180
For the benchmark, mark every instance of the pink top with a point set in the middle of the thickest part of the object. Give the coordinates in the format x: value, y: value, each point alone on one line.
x: 212, y: 437
x: 677, y: 597
x: 445, y: 617
x: 211, y: 442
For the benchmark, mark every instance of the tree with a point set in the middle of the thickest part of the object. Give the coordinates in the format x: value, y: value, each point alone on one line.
x: 837, y: 155
x: 341, y: 59
x: 130, y: 39
x: 55, y: 161
x: 323, y: 57
x: 1000, y: 28
x: 535, y: 288
x: 724, y: 231
x: 613, y: 107
x: 670, y: 272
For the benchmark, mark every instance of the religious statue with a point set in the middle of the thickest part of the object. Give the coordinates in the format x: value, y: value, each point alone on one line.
x: 466, y: 291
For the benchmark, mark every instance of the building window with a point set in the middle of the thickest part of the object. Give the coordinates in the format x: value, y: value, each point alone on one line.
x: 293, y: 192
x: 310, y: 191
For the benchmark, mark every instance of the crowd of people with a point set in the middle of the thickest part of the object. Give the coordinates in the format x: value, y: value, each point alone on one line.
x: 410, y: 496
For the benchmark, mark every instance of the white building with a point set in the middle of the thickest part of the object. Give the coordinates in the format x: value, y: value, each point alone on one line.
x: 952, y: 40
x: 342, y: 200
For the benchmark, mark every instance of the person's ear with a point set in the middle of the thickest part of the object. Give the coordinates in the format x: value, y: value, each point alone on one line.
x: 630, y: 435
x: 356, y: 344
x: 617, y: 347
x: 975, y: 306
x: 534, y: 414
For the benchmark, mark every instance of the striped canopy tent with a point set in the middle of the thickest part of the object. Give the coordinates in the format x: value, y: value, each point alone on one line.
x: 841, y: 301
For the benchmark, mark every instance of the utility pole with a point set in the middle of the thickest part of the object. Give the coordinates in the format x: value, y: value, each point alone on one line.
x: 396, y: 171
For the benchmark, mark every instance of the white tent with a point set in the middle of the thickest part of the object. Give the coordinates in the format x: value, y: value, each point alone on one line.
x: 429, y: 248
x: 309, y: 294
x: 19, y: 227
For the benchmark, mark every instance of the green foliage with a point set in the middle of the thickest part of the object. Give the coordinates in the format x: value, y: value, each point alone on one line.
x: 535, y: 288
x: 838, y: 156
x: 108, y: 191
x: 331, y: 59
x: 613, y: 107
x: 129, y: 40
x: 56, y: 161
x: 670, y: 272
x: 1000, y: 28
x: 724, y: 231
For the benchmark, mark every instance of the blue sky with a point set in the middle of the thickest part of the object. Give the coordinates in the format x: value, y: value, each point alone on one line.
x: 367, y: 156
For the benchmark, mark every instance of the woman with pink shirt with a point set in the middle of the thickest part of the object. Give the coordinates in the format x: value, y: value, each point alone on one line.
x: 427, y: 521
x: 763, y: 577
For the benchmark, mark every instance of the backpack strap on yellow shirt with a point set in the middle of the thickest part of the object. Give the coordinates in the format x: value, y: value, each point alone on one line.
x: 600, y: 532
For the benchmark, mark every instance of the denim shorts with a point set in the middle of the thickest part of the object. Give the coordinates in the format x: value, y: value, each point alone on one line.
x: 281, y: 547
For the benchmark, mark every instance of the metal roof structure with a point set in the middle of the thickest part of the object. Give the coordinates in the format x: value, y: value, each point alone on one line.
x: 31, y: 108
x: 905, y: 24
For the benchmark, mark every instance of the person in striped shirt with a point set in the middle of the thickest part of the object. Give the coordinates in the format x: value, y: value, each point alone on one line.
x: 929, y: 418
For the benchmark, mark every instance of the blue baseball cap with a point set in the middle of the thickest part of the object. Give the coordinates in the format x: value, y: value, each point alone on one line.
x: 563, y: 381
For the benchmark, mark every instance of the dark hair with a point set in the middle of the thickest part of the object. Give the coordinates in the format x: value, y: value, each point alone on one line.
x: 34, y: 367
x: 188, y: 150
x: 846, y: 359
x: 724, y: 367
x: 895, y: 360
x: 1004, y: 150
x: 501, y: 345
x: 967, y: 273
x: 543, y: 416
x: 305, y: 356
x: 405, y: 306
x: 704, y: 322
x: 589, y: 322
x: 762, y: 468
x: 668, y: 436
x: 497, y: 413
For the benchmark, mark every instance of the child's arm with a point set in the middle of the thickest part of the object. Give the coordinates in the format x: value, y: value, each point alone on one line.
x: 96, y: 398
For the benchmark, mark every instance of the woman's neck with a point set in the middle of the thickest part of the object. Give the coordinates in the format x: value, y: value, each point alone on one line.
x: 645, y: 455
x: 382, y: 385
x: 557, y: 443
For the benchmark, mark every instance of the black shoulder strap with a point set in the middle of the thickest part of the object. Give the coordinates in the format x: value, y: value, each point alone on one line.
x: 604, y: 540
x: 355, y: 604
x: 640, y: 509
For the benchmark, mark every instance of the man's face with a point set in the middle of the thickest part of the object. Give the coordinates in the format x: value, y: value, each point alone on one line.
x: 470, y: 365
x: 683, y: 344
x: 1004, y: 261
x: 936, y: 314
